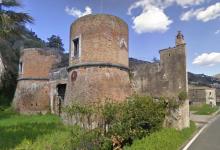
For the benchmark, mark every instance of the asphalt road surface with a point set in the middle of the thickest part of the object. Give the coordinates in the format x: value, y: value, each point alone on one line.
x: 209, y: 139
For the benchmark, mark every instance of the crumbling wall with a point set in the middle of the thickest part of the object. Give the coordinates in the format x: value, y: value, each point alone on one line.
x: 166, y: 78
x: 197, y: 96
x: 57, y: 76
x: 202, y: 95
x: 100, y: 70
x: 218, y: 96
x: 32, y: 92
x: 93, y: 85
x: 32, y: 97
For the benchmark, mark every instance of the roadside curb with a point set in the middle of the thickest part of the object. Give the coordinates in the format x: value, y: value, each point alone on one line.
x: 214, y: 116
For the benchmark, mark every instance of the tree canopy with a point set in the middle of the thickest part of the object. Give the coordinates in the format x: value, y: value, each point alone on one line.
x: 55, y: 42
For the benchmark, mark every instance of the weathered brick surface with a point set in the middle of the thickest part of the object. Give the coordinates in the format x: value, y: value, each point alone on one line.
x: 37, y: 62
x: 166, y: 78
x: 31, y: 97
x: 95, y: 84
x: 32, y: 94
x: 104, y: 38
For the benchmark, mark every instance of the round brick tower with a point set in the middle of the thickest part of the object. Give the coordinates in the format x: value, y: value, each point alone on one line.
x: 98, y: 60
x: 32, y: 92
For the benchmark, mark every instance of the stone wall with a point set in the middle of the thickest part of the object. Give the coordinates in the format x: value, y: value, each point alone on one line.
x: 218, y: 96
x: 36, y: 62
x: 32, y: 92
x: 31, y: 97
x: 102, y: 38
x: 100, y: 69
x: 165, y: 78
x: 93, y: 85
x: 202, y: 95
x: 58, y: 77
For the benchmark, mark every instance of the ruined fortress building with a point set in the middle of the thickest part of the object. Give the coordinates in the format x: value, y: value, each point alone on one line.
x: 32, y: 92
x: 98, y: 60
x: 98, y: 70
x: 166, y: 78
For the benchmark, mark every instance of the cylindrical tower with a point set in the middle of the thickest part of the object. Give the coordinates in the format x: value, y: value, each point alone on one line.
x: 98, y: 60
x: 32, y: 92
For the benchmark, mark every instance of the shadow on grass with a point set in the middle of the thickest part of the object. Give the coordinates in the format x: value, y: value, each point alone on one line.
x: 11, y: 136
x: 6, y: 113
x: 15, y: 128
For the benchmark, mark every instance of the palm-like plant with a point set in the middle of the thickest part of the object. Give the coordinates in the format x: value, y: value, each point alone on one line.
x: 11, y: 22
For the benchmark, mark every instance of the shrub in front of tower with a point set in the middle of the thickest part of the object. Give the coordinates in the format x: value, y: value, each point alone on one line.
x: 121, y: 123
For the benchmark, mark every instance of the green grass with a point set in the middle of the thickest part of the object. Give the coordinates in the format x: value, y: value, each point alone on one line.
x: 165, y: 139
x: 46, y: 132
x: 204, y: 109
x: 17, y: 129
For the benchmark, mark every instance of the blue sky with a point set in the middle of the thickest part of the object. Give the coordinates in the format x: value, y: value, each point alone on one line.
x: 153, y: 25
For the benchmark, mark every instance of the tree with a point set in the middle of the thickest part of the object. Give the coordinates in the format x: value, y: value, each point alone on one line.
x: 12, y: 22
x: 13, y: 37
x: 55, y: 42
x: 155, y: 60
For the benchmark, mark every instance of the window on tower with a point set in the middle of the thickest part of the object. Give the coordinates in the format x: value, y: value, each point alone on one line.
x: 21, y: 67
x: 76, y: 47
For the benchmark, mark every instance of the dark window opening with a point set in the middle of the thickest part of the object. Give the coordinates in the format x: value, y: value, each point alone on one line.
x: 61, y: 89
x: 76, y: 47
x: 169, y: 54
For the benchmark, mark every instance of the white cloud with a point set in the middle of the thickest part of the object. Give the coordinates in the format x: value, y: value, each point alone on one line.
x: 190, y: 14
x: 186, y: 3
x: 207, y: 59
x: 151, y: 20
x: 152, y: 17
x: 210, y: 13
x: 78, y: 13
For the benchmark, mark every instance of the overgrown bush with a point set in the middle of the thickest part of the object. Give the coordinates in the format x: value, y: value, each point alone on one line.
x: 122, y: 123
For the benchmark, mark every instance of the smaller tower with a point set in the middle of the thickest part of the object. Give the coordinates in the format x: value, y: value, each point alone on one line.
x: 180, y: 39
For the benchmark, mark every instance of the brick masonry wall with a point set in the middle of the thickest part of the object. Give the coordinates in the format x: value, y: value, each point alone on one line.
x: 92, y: 85
x: 37, y: 62
x: 31, y: 97
x: 32, y: 94
x: 104, y: 38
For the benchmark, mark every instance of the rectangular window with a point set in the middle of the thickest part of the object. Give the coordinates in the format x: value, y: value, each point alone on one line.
x: 21, y: 67
x: 76, y: 47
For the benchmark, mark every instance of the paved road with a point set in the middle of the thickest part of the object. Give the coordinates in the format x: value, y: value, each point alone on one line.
x: 209, y: 139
